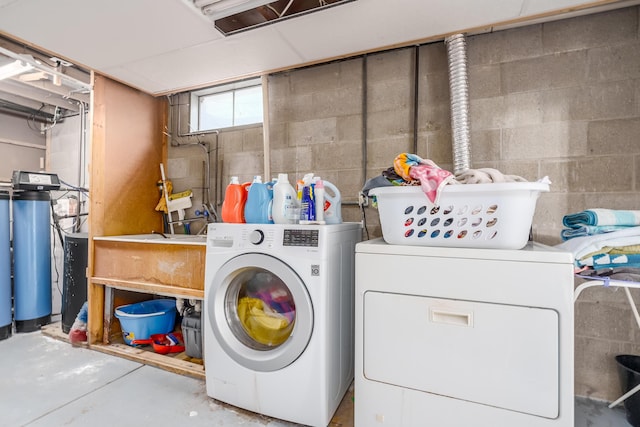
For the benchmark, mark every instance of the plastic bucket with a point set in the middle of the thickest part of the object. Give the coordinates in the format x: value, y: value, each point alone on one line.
x: 192, y: 333
x: 629, y: 372
x: 141, y: 320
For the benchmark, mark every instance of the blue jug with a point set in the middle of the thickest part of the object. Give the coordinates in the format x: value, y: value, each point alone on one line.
x: 257, y: 210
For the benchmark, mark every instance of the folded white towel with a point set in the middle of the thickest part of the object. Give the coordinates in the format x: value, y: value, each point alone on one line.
x: 582, y: 246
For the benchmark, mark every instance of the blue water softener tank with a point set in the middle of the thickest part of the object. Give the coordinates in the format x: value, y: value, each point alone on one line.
x: 32, y: 260
x: 5, y: 268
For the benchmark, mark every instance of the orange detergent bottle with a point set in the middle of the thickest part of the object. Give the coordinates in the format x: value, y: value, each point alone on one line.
x: 235, y: 197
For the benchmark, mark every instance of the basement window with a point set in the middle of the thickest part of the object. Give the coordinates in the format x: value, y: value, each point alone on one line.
x: 231, y: 105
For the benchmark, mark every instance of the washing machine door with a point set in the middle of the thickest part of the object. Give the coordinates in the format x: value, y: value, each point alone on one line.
x: 260, y: 311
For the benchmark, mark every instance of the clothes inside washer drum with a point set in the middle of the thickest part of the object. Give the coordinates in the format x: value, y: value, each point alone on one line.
x: 263, y: 324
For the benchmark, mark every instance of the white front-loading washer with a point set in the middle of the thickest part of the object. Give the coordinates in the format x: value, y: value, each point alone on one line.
x: 278, y: 317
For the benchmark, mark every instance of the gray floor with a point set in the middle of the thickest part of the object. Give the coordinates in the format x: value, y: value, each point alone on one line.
x: 47, y: 382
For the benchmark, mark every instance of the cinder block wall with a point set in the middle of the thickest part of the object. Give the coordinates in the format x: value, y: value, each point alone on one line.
x: 560, y: 99
x: 563, y: 99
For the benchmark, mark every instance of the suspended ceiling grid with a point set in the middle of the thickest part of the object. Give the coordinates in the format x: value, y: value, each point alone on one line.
x: 168, y: 46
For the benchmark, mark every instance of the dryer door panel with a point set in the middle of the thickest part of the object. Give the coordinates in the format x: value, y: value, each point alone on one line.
x: 499, y: 355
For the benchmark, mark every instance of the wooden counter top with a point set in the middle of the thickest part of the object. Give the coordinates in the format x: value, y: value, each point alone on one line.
x: 172, y: 267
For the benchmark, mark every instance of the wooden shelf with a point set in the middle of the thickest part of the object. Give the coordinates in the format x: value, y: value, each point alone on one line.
x: 151, y: 288
x: 179, y: 363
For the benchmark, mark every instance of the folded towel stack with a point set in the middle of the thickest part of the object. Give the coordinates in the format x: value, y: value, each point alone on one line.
x: 604, y: 242
x: 597, y: 221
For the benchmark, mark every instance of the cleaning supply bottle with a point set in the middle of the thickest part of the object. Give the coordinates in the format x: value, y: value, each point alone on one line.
x: 332, y: 204
x: 257, y: 210
x: 307, y: 207
x: 318, y: 198
x: 299, y: 187
x: 284, y: 201
x: 235, y: 198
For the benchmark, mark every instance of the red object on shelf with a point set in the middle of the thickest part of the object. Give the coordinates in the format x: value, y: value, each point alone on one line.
x: 164, y: 343
x: 77, y: 336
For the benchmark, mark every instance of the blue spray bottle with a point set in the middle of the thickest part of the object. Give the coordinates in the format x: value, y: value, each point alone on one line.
x: 307, y: 205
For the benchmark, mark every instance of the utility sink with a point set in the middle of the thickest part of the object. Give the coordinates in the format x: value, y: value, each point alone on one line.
x: 169, y: 264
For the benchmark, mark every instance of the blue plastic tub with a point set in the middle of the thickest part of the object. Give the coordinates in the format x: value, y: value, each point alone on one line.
x: 141, y: 320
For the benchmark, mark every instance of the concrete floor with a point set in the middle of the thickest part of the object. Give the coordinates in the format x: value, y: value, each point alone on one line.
x: 48, y: 382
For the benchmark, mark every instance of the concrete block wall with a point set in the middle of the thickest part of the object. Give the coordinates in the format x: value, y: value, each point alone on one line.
x: 316, y: 126
x: 560, y: 99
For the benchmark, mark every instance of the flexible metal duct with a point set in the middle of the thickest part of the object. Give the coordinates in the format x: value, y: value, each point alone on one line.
x: 459, y: 92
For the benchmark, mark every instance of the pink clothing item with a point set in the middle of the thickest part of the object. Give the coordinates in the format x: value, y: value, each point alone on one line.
x: 432, y: 179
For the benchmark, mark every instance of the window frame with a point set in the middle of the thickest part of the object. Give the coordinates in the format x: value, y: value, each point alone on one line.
x: 195, y: 97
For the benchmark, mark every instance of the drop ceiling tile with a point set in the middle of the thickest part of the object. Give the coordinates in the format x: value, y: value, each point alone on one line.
x: 247, y: 54
x: 102, y: 34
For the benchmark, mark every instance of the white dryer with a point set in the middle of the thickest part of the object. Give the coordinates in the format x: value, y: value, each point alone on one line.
x: 450, y: 337
x: 279, y: 317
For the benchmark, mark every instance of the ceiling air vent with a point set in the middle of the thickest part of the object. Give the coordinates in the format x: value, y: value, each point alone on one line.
x: 234, y: 16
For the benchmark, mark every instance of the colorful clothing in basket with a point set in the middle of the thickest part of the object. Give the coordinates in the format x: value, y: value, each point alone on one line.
x: 431, y: 177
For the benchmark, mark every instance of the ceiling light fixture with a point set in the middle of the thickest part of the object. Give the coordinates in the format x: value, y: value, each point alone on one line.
x: 28, y: 61
x: 14, y: 68
x: 218, y: 9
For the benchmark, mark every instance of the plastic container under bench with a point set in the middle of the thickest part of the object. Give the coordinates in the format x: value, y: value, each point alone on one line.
x: 192, y: 334
x: 141, y: 320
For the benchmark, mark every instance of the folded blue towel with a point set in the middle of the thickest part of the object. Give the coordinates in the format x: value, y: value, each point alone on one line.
x: 589, y: 230
x: 601, y: 217
x: 606, y: 261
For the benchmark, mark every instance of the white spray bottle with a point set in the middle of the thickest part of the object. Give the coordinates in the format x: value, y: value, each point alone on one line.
x: 332, y: 204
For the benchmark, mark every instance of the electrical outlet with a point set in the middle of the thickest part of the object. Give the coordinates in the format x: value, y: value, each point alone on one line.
x: 362, y: 199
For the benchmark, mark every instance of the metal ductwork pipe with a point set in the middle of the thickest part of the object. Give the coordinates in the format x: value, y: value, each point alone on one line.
x: 459, y: 92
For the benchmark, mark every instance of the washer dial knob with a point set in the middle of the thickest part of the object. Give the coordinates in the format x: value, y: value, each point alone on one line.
x: 256, y: 237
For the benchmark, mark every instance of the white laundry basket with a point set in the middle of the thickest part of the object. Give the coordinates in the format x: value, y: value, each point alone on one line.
x: 496, y: 215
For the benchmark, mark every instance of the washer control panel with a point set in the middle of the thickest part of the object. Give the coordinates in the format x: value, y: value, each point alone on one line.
x: 292, y: 238
x: 298, y: 237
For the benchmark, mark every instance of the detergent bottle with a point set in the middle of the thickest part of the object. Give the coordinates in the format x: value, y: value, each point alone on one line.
x: 307, y: 206
x: 318, y: 196
x: 332, y: 204
x: 284, y: 201
x: 299, y: 186
x: 257, y: 210
x: 235, y: 198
